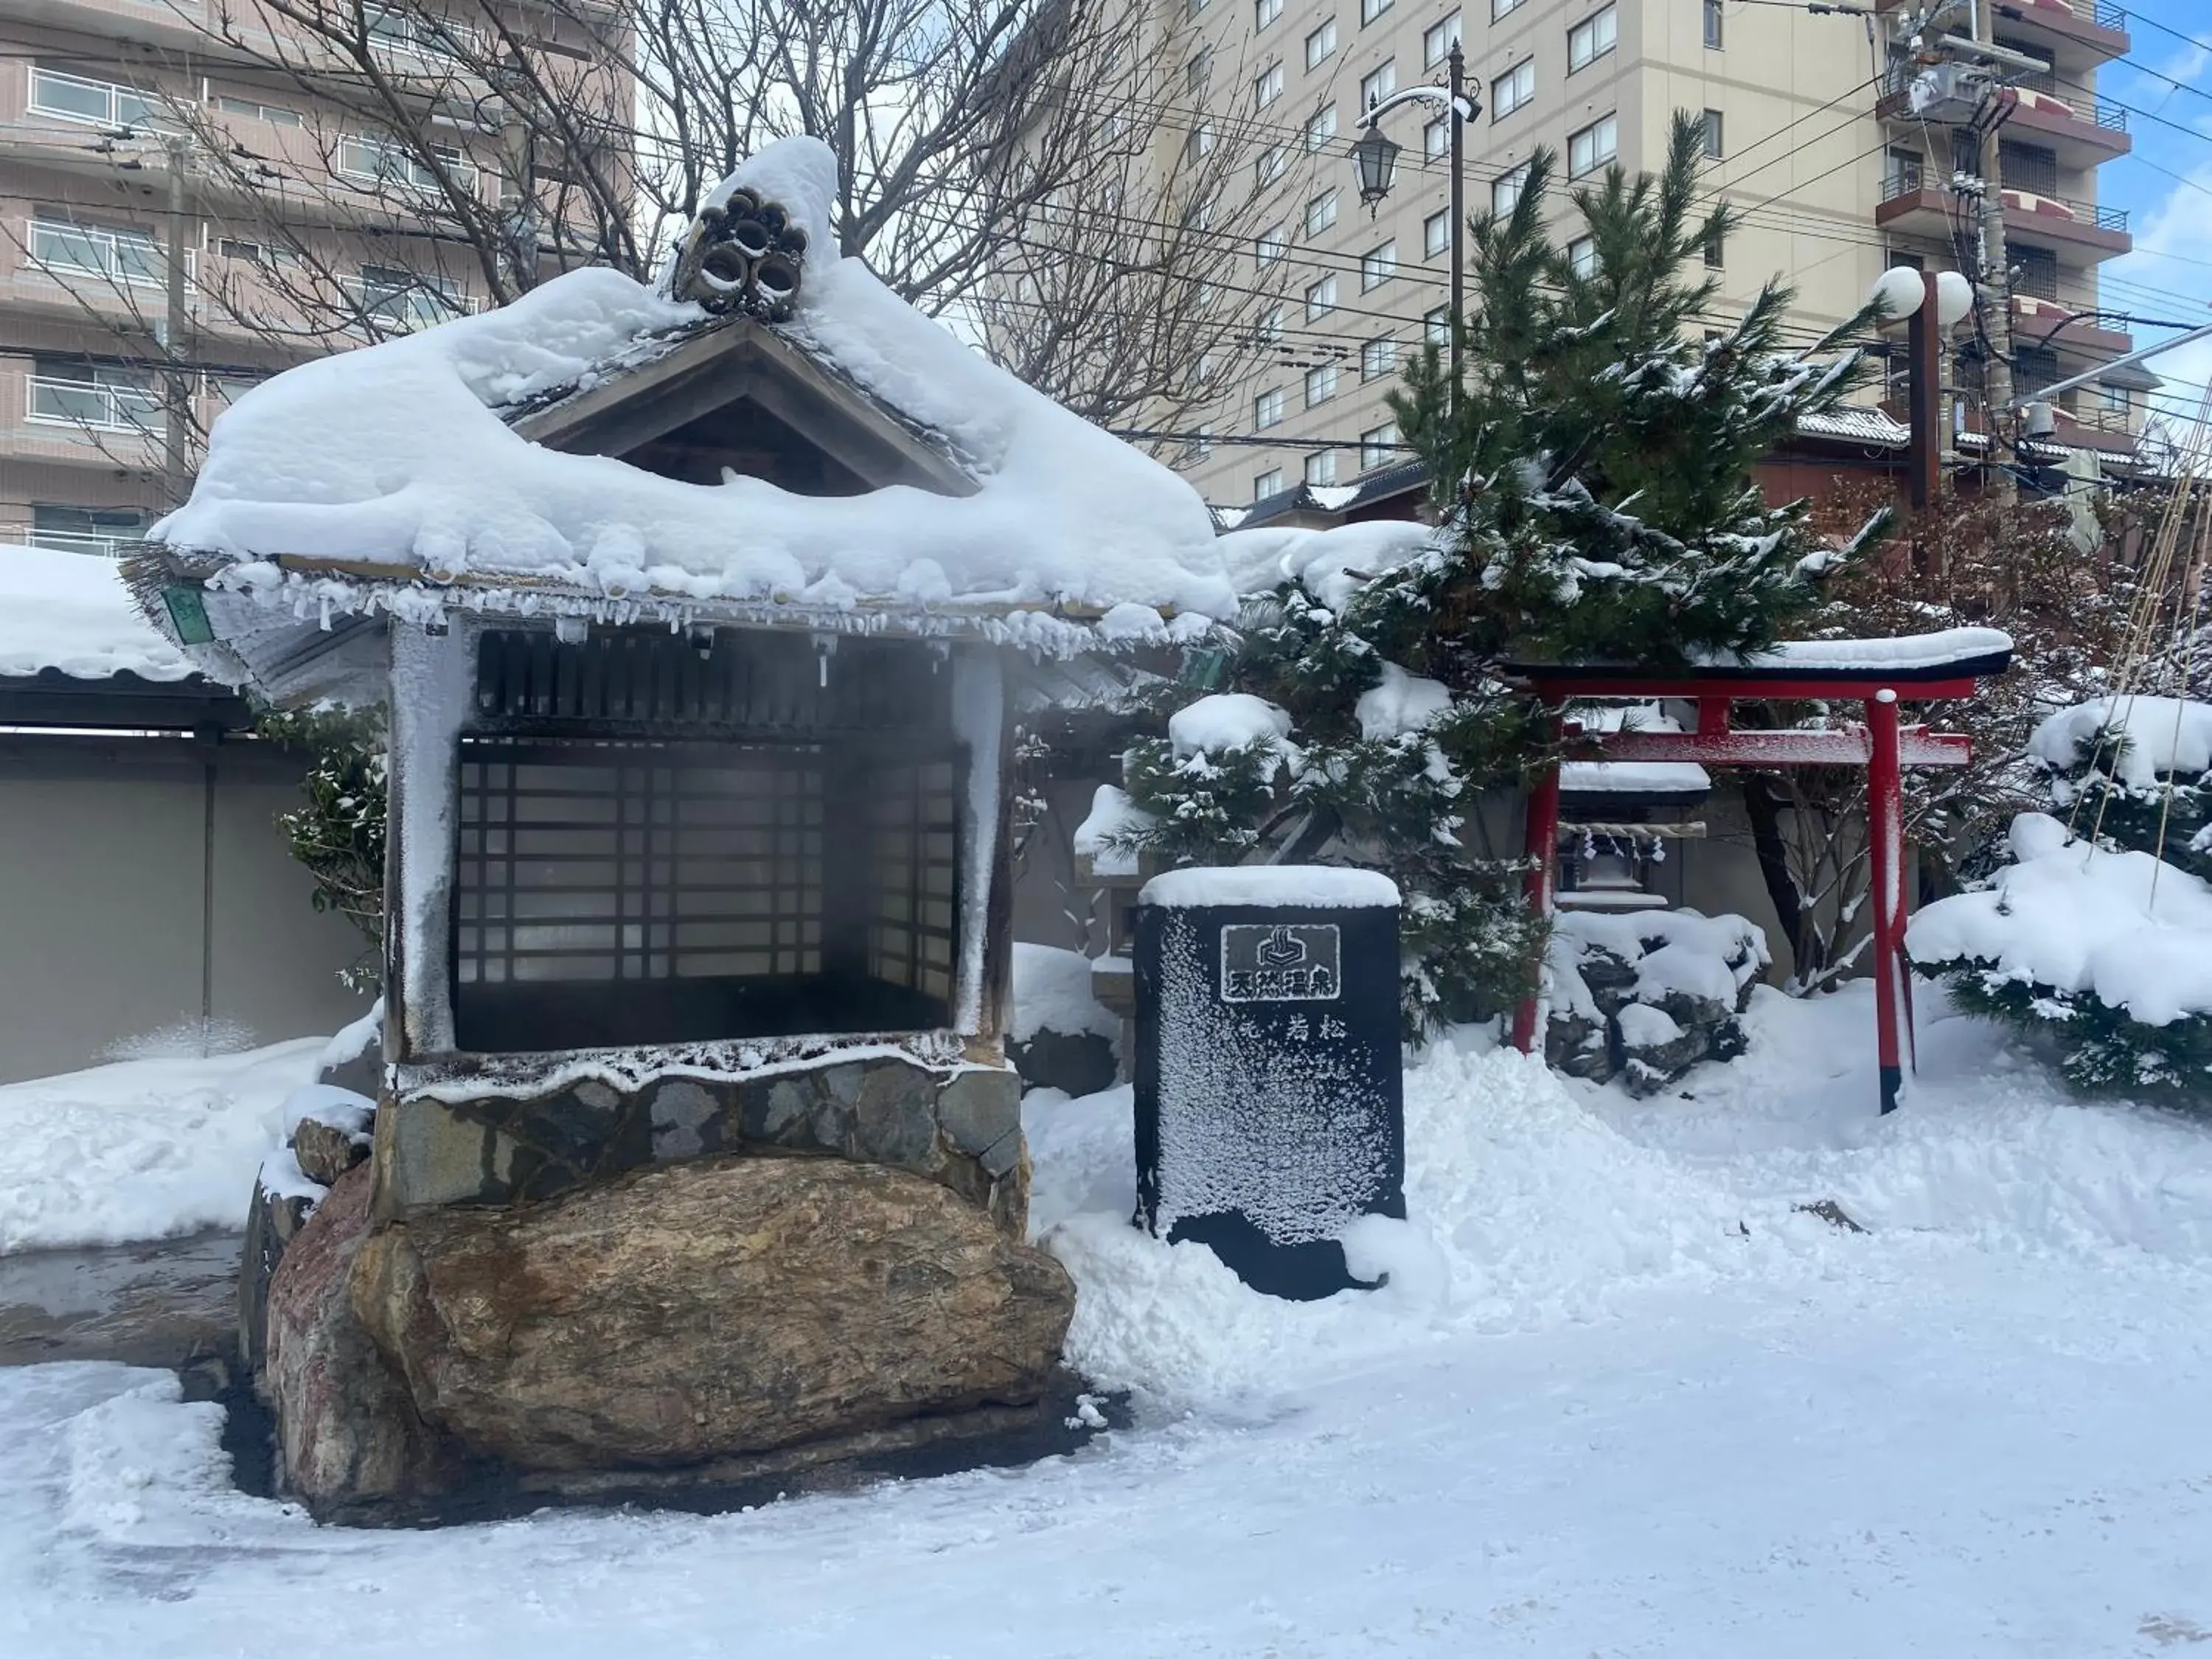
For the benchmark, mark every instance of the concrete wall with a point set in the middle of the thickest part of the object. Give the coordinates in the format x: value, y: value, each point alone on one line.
x: 121, y: 915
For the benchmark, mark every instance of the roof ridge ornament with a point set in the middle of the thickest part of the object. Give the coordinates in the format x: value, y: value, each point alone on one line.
x: 741, y: 254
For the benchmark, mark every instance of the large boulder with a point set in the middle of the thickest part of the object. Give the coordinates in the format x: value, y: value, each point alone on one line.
x: 709, y: 1310
x: 348, y: 1434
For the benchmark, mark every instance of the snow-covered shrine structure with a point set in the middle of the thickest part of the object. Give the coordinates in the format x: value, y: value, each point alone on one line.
x: 698, y: 609
x: 1879, y: 675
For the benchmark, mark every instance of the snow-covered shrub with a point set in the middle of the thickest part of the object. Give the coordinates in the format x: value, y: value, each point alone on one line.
x: 338, y: 834
x: 2106, y: 951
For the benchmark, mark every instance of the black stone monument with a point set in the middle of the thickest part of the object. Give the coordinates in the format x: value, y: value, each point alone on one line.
x: 1269, y: 1084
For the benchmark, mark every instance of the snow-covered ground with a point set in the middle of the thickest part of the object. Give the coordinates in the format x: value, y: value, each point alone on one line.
x: 142, y: 1149
x: 1621, y: 1398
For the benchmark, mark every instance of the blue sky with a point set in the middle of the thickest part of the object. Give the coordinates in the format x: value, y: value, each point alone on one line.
x: 2166, y: 186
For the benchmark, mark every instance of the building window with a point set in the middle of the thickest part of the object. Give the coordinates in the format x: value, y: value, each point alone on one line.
x: 1500, y: 8
x: 129, y: 257
x: 1192, y: 7
x: 1437, y: 41
x: 1713, y: 24
x: 1269, y: 165
x: 1378, y: 84
x: 400, y: 301
x: 1268, y: 410
x: 416, y: 34
x: 1199, y: 142
x: 70, y: 392
x: 1202, y: 437
x: 69, y: 97
x: 1377, y: 446
x: 1321, y: 213
x: 1271, y: 326
x: 100, y: 532
x: 2038, y: 271
x: 1901, y: 171
x: 1510, y: 90
x: 377, y: 160
x: 1321, y: 467
x: 1591, y: 38
x: 1378, y: 358
x: 1436, y: 233
x: 1714, y: 149
x: 1197, y: 72
x: 1320, y: 44
x: 1436, y: 326
x: 1715, y: 252
x: 1593, y: 146
x: 1268, y: 88
x: 1378, y: 266
x: 1267, y: 484
x: 1321, y: 127
x: 1321, y: 383
x: 1505, y: 190
x: 275, y: 114
x: 1371, y: 10
x: 1265, y: 12
x: 1435, y: 139
x: 1321, y: 299
x: 1582, y: 256
x: 1267, y: 246
x: 2117, y: 398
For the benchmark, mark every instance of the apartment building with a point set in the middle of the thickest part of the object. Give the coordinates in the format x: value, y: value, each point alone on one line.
x: 1809, y: 129
x: 307, y: 225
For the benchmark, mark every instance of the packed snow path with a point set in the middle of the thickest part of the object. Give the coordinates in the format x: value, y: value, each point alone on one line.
x: 1636, y: 1405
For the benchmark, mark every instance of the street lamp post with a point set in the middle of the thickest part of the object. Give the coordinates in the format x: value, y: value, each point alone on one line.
x: 1375, y: 158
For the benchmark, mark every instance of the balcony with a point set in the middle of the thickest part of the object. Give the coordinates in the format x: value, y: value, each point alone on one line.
x: 2083, y: 129
x: 2081, y: 33
x: 2040, y: 322
x: 1917, y: 203
x: 93, y: 406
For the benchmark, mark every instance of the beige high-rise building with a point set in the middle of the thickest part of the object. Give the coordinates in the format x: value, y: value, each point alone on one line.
x: 1810, y: 133
x: 306, y: 226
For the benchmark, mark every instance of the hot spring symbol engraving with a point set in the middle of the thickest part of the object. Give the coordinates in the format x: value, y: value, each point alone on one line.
x: 1280, y: 962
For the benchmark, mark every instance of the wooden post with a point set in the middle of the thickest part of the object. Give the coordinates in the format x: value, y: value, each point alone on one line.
x: 1886, y: 846
x: 1538, y: 844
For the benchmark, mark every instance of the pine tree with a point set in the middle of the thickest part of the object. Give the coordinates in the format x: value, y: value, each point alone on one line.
x: 1594, y: 486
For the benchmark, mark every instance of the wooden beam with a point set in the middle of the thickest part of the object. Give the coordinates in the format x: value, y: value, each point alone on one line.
x: 1913, y: 685
x: 1846, y: 747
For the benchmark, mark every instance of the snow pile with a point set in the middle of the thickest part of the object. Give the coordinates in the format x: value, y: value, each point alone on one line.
x: 2159, y: 737
x: 1052, y: 992
x: 1401, y: 705
x: 1227, y: 720
x: 1526, y: 1211
x: 1632, y: 777
x: 71, y: 613
x: 397, y: 454
x: 1672, y: 954
x: 1317, y: 886
x: 2133, y: 932
x: 1905, y: 652
x: 1104, y: 835
x: 147, y: 1149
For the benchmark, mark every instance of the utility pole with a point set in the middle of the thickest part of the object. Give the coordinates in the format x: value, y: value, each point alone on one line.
x: 176, y: 413
x: 1996, y: 265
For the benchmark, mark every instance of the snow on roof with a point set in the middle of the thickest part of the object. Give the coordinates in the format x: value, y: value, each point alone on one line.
x: 71, y: 613
x: 1938, y: 650
x: 2133, y: 932
x: 2164, y: 735
x: 397, y: 454
x: 1330, y: 564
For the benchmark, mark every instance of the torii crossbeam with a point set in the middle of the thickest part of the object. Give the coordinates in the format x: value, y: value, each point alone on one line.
x: 1878, y: 674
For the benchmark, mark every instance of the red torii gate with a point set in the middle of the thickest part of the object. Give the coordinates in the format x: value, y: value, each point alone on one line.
x: 1877, y: 674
